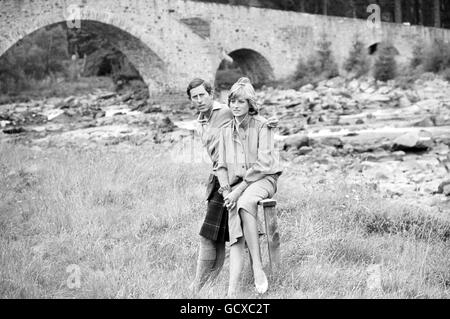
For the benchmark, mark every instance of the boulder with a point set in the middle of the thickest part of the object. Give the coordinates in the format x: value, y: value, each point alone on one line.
x: 429, y: 104
x: 306, y: 88
x: 165, y: 125
x: 304, y: 150
x: 310, y: 96
x: 332, y: 141
x: 413, y: 141
x: 296, y: 141
x: 444, y: 188
x: 425, y: 122
x: 14, y: 130
x: 404, y: 102
x: 106, y: 95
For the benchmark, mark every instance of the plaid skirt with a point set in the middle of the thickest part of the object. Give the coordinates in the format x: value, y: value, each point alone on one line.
x: 215, y: 225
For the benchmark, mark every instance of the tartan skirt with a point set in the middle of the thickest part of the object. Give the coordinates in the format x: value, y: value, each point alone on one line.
x: 215, y: 225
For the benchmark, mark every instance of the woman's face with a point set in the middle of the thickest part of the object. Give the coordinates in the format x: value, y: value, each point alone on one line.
x: 239, y: 107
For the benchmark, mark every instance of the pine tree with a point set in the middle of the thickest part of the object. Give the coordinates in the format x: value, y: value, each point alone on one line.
x: 385, y: 65
x: 357, y: 61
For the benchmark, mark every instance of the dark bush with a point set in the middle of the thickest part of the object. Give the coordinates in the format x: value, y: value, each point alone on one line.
x: 357, y: 61
x: 436, y: 57
x: 36, y: 57
x: 317, y: 67
x: 385, y: 67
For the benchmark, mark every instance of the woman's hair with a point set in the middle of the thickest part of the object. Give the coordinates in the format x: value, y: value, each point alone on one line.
x: 243, y: 88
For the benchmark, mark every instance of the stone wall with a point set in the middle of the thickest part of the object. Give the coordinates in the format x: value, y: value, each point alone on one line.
x: 172, y: 41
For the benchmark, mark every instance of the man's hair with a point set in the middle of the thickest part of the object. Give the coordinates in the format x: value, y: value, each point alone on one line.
x: 197, y: 82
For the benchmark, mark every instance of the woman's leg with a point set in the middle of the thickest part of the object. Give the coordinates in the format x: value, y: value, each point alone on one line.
x: 236, y: 265
x: 251, y: 237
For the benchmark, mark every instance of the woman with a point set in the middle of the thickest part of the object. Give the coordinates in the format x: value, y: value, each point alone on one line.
x: 247, y: 162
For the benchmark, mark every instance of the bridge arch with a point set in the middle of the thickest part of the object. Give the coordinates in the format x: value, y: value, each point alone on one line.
x: 243, y: 62
x: 123, y: 36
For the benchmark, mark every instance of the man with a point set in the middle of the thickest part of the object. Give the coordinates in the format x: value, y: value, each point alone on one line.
x: 214, y: 231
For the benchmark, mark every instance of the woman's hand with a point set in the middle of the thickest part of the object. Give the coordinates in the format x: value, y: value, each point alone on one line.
x: 231, y: 198
x: 272, y: 122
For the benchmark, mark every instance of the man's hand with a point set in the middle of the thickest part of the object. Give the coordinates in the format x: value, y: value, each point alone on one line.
x: 272, y: 122
x: 231, y: 199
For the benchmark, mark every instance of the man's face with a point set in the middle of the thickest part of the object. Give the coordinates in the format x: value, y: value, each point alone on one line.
x: 201, y: 99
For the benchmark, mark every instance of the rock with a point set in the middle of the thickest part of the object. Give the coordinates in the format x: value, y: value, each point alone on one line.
x: 359, y: 121
x: 442, y: 120
x: 38, y: 129
x: 444, y: 186
x: 151, y: 109
x: 14, y: 130
x: 166, y: 125
x: 384, y: 90
x: 446, y: 190
x: 292, y: 104
x: 54, y: 127
x: 138, y: 105
x: 429, y: 104
x: 332, y: 141
x: 106, y: 95
x: 418, y: 178
x: 348, y: 148
x: 4, y: 123
x: 413, y: 141
x: 380, y: 175
x: 66, y: 103
x: 306, y: 88
x: 404, y: 102
x: 310, y: 96
x: 426, y: 122
x: 364, y: 86
x: 305, y: 150
x: 353, y: 85
x: 377, y: 98
x: 99, y: 114
x: 441, y: 149
x: 53, y: 113
x: 296, y: 141
x: 398, y: 155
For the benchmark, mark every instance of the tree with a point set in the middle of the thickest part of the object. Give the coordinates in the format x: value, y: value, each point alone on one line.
x: 398, y: 11
x: 385, y: 64
x: 357, y: 61
x: 437, y: 13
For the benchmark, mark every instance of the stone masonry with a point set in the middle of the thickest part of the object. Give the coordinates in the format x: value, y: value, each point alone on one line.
x: 172, y: 41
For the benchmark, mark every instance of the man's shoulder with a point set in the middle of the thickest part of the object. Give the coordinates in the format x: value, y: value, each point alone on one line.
x: 259, y: 120
x: 222, y: 112
x: 222, y: 108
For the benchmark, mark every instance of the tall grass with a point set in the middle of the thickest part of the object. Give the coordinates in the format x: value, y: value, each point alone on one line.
x: 129, y: 218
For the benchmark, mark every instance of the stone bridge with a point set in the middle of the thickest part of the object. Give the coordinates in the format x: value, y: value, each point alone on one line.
x: 171, y: 41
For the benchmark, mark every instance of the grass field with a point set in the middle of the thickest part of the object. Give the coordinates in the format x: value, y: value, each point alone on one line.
x: 129, y: 219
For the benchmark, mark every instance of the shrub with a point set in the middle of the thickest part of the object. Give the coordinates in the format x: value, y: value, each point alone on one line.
x: 319, y: 66
x: 357, y: 61
x: 35, y: 57
x: 385, y: 65
x: 446, y: 74
x: 436, y: 57
x: 418, y: 54
x: 227, y: 77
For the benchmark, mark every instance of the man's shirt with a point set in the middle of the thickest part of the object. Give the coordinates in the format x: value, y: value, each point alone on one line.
x: 209, y: 129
